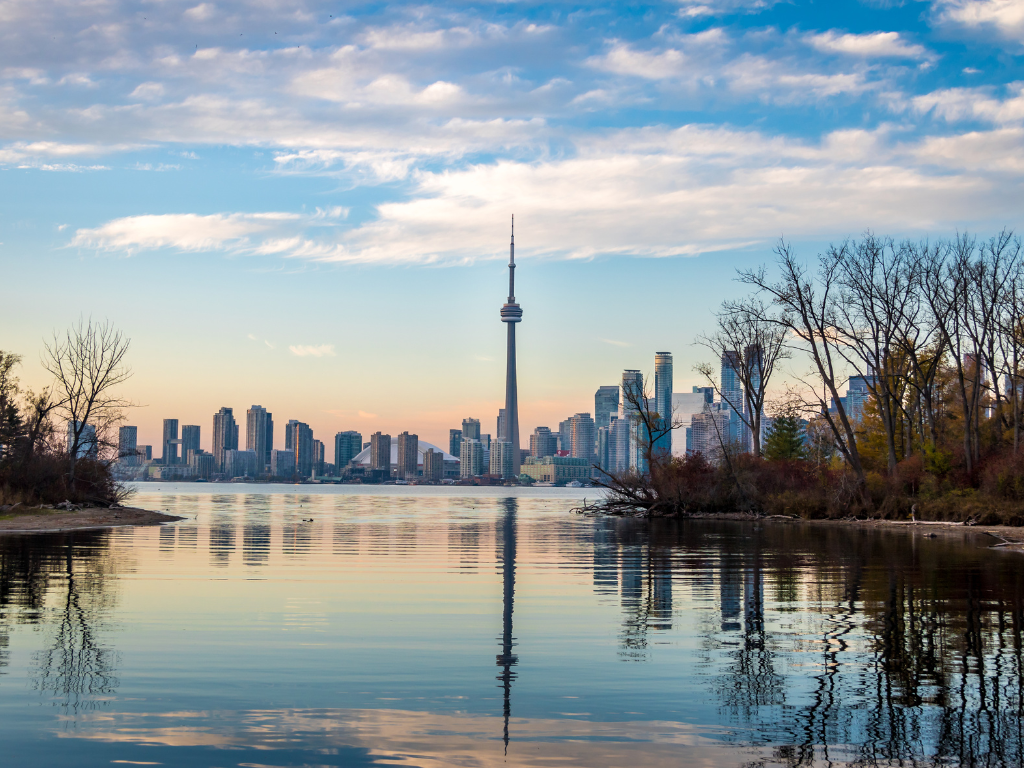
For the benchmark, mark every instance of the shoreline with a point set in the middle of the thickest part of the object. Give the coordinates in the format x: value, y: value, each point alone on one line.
x: 54, y: 520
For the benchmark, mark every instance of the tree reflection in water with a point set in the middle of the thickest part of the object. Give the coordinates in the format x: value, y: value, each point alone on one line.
x: 839, y: 645
x: 62, y: 583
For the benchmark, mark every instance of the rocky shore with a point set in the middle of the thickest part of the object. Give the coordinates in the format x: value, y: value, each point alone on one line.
x: 71, y: 517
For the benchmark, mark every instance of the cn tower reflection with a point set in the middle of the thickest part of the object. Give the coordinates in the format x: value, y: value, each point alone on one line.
x: 506, y: 659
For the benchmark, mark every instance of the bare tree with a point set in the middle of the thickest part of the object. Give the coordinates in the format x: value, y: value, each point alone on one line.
x: 751, y: 335
x: 87, y: 364
x: 877, y: 311
x: 808, y: 312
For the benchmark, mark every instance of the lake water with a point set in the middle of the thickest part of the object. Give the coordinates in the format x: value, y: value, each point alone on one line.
x: 341, y: 626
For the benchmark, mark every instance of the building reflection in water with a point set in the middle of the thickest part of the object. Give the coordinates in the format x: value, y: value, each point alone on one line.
x: 506, y: 660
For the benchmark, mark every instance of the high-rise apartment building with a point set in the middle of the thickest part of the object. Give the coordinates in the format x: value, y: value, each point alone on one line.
x: 189, y: 440
x: 170, y: 442
x: 145, y: 454
x: 347, y: 446
x: 201, y: 463
x: 433, y: 465
x: 501, y: 459
x: 300, y: 437
x: 731, y: 383
x: 240, y: 463
x: 259, y: 434
x: 663, y: 400
x: 471, y: 429
x: 454, y: 442
x: 471, y: 463
x: 225, y: 436
x: 502, y: 425
x: 618, y: 444
x: 288, y: 432
x: 380, y: 452
x: 543, y: 442
x: 408, y: 455
x: 564, y: 436
x: 632, y: 385
x: 88, y: 445
x: 319, y: 459
x: 127, y: 446
x: 582, y: 440
x: 602, y: 448
x: 606, y: 404
x: 282, y: 463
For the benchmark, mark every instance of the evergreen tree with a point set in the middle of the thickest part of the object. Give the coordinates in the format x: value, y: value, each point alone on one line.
x: 785, y: 439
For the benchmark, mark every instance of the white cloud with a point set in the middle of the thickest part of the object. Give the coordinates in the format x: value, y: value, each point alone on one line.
x: 871, y: 44
x: 622, y: 59
x: 182, y: 231
x: 307, y: 350
x: 955, y: 104
x: 1004, y: 16
x: 148, y: 91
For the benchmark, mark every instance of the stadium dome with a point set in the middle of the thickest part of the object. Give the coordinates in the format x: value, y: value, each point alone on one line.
x: 363, y: 457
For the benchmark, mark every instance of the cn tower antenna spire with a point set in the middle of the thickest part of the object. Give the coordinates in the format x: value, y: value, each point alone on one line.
x: 511, y: 314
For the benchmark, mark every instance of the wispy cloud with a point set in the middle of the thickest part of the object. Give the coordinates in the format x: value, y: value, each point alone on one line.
x: 308, y: 350
x: 871, y: 44
x: 615, y: 343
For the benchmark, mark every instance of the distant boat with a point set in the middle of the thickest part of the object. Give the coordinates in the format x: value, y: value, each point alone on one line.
x: 574, y: 484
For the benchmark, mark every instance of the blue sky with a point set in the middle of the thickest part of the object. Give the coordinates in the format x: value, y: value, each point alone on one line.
x: 306, y: 205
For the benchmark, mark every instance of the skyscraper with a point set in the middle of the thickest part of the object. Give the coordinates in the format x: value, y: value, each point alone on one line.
x: 433, y: 465
x: 127, y: 446
x: 346, y: 446
x: 663, y: 399
x: 606, y: 403
x: 454, y: 442
x: 318, y: 458
x: 380, y: 453
x: 408, y: 449
x: 471, y: 429
x: 288, y: 432
x: 302, y: 444
x: 632, y: 389
x: 502, y: 426
x: 501, y: 459
x: 510, y: 315
x: 189, y: 440
x: 731, y: 384
x: 543, y: 442
x: 259, y: 434
x: 225, y: 436
x: 581, y: 440
x: 282, y: 463
x: 170, y: 442
x: 471, y: 463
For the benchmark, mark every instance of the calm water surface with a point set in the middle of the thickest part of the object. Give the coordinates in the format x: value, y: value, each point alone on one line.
x: 471, y: 627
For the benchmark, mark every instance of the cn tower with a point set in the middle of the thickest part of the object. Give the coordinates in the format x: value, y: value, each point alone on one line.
x: 512, y: 314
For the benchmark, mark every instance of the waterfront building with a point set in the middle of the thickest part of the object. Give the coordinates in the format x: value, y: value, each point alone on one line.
x: 380, y: 452
x: 543, y: 442
x: 88, y: 445
x: 731, y: 384
x: 240, y: 463
x: 347, y: 446
x: 511, y: 314
x: 454, y: 441
x: 684, y: 406
x: 127, y: 446
x: 711, y: 428
x: 581, y: 437
x: 319, y: 460
x: 602, y: 448
x: 189, y: 440
x: 282, y: 463
x: 472, y: 458
x: 501, y: 459
x: 663, y: 399
x: 301, y: 441
x: 501, y: 424
x: 407, y: 455
x: 606, y: 405
x: 565, y: 436
x: 471, y: 429
x: 618, y: 445
x: 170, y: 443
x: 259, y: 434
x: 288, y: 432
x: 450, y: 463
x: 200, y: 462
x: 145, y: 453
x: 632, y: 389
x: 225, y: 436
x: 433, y: 465
x: 556, y: 469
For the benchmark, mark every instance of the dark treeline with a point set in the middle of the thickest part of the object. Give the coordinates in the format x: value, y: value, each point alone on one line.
x: 936, y: 333
x: 59, y: 443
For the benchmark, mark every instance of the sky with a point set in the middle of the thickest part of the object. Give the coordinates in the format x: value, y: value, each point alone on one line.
x: 306, y: 205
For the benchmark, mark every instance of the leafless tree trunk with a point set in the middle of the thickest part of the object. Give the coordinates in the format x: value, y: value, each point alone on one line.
x: 87, y: 363
x: 758, y: 339
x: 808, y: 305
